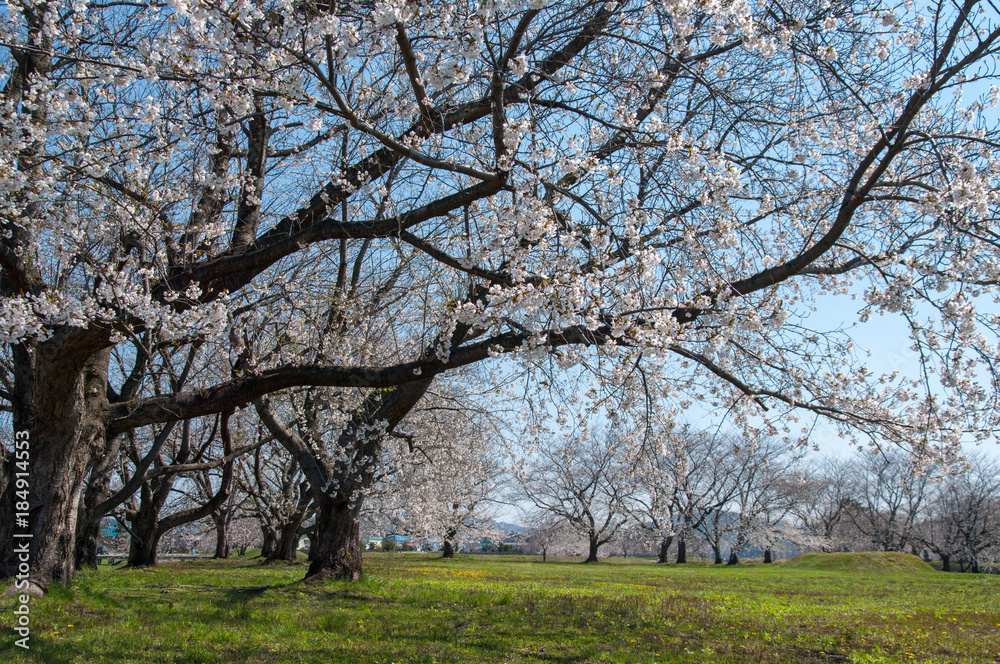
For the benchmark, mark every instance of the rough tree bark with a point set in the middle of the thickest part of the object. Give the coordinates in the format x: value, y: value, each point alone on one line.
x: 337, y: 542
x: 61, y: 384
x: 269, y: 539
x: 288, y: 541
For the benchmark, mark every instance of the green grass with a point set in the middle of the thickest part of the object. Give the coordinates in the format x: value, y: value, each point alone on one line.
x: 420, y: 608
x: 876, y: 562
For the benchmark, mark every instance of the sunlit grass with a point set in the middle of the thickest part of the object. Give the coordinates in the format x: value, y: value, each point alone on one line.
x: 420, y: 608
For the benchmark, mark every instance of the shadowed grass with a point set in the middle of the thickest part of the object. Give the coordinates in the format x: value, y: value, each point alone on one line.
x: 421, y: 608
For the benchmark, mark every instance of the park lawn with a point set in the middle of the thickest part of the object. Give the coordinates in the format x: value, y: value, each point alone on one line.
x: 421, y: 608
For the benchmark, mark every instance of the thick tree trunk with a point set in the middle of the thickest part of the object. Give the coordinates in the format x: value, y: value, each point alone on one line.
x: 58, y: 410
x: 86, y: 544
x: 733, y: 558
x: 268, y: 541
x: 145, y: 538
x: 664, y: 549
x: 945, y: 563
x: 717, y: 553
x: 767, y: 556
x: 288, y: 543
x: 592, y: 552
x: 337, y: 542
x: 682, y: 555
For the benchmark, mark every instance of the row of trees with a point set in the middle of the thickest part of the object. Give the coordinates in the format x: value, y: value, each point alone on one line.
x: 231, y: 222
x: 724, y: 496
x: 713, y: 494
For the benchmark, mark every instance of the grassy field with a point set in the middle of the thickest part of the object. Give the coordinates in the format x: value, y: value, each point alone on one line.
x: 420, y: 608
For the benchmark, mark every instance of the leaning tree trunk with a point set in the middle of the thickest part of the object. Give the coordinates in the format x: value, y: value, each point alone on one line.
x: 682, y: 555
x: 58, y: 409
x: 337, y: 541
x: 733, y: 558
x: 664, y: 549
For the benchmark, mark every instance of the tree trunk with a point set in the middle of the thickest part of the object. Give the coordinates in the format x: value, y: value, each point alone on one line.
x: 682, y: 555
x: 592, y: 553
x: 733, y: 558
x: 269, y: 539
x: 337, y: 541
x: 718, y: 555
x: 58, y: 410
x: 145, y: 538
x: 311, y: 535
x: 767, y: 556
x: 945, y: 563
x: 97, y: 491
x: 86, y: 544
x: 544, y: 551
x: 449, y: 538
x: 221, y: 535
x: 664, y: 549
x: 288, y: 543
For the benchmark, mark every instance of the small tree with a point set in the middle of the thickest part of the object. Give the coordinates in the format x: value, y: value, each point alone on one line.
x: 583, y: 481
x: 961, y: 519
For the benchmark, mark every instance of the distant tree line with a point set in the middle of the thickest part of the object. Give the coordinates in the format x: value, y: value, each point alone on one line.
x: 722, y: 497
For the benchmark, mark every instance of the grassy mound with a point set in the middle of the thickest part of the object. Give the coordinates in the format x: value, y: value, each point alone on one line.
x: 862, y: 561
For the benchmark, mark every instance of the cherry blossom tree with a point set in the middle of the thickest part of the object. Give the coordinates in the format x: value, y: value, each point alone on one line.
x: 961, y: 519
x: 146, y: 525
x: 444, y: 476
x: 685, y: 479
x: 583, y: 481
x: 652, y: 192
x: 762, y: 496
x: 888, y: 496
x: 279, y: 493
x: 824, y: 494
